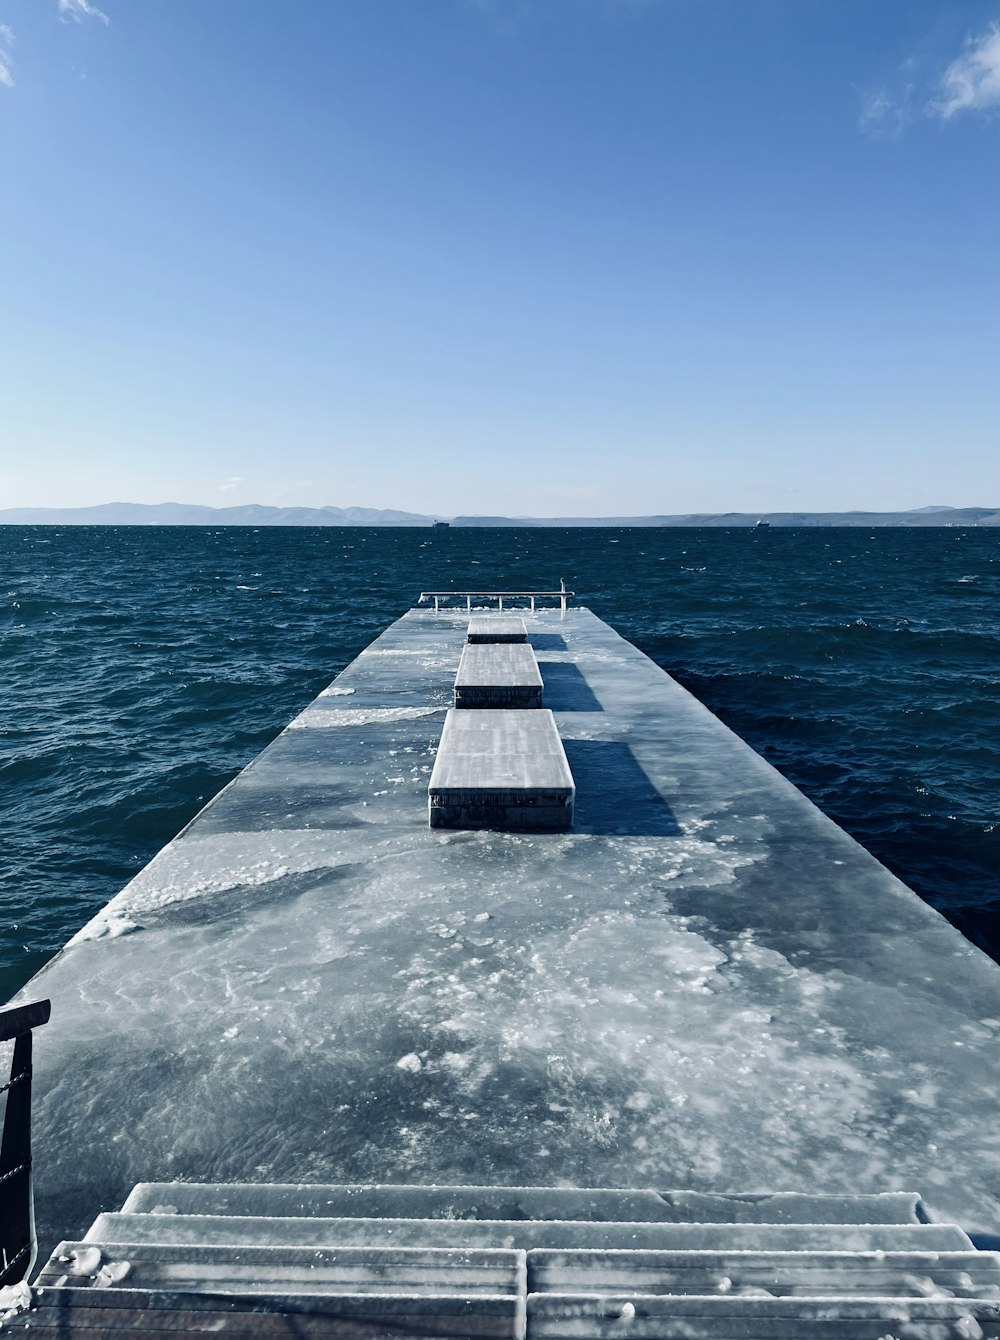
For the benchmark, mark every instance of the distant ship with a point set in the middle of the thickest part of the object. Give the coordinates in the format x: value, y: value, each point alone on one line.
x: 441, y: 525
x: 761, y: 525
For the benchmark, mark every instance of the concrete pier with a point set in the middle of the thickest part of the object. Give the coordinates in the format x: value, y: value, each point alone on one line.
x: 498, y: 675
x: 705, y: 984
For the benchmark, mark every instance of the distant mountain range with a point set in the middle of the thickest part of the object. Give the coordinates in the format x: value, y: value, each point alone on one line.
x: 190, y: 514
x: 185, y: 514
x: 922, y: 516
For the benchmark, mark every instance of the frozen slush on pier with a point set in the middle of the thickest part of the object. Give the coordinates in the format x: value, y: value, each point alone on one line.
x: 496, y: 629
x: 503, y: 769
x: 498, y: 675
x: 706, y: 984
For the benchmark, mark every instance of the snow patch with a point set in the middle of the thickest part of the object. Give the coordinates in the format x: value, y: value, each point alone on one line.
x: 358, y: 716
x: 106, y: 925
x: 14, y: 1298
x: 196, y: 867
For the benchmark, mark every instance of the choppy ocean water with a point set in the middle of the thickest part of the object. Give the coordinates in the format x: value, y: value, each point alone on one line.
x: 143, y: 667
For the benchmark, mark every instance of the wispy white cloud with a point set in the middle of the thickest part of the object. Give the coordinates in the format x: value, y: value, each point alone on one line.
x: 971, y: 82
x: 6, y: 59
x: 74, y: 11
x: 78, y: 10
x: 885, y: 114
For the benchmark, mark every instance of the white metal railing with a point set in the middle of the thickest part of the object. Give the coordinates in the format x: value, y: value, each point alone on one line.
x: 562, y: 595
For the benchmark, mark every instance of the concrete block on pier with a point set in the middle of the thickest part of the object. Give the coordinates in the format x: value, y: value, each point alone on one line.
x: 498, y: 675
x: 493, y: 628
x: 502, y: 769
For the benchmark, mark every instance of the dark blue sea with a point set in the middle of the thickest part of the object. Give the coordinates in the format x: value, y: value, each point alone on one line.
x: 143, y: 667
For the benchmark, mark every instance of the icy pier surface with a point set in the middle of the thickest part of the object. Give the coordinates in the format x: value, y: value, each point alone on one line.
x: 498, y: 674
x: 705, y: 984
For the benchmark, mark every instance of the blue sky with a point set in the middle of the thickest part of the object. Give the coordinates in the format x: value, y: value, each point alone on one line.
x: 527, y: 256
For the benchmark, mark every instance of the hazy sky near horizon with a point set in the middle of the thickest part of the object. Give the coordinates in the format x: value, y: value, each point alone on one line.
x: 537, y: 257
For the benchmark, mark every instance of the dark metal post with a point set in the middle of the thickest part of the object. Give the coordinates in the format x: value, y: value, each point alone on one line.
x: 17, y: 1220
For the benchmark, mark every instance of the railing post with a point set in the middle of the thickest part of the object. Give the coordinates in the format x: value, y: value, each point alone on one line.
x: 532, y: 604
x: 562, y: 598
x: 436, y: 605
x: 468, y: 602
x: 17, y: 1220
x: 500, y: 606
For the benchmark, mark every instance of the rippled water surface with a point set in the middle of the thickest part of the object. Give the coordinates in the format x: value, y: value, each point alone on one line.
x: 143, y: 667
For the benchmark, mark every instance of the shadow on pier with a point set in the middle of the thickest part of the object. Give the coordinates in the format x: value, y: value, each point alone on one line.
x: 565, y: 689
x: 613, y: 793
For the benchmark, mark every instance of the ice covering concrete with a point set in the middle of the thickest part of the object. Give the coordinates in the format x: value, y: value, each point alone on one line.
x: 505, y: 770
x: 498, y: 674
x: 442, y: 1270
x: 579, y: 1204
x: 706, y: 984
x: 496, y: 628
x: 356, y: 1231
